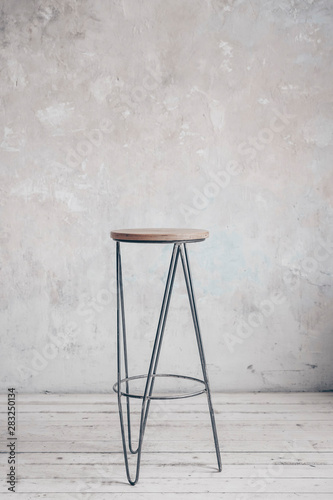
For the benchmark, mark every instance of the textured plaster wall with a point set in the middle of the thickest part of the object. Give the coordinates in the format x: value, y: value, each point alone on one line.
x: 213, y: 114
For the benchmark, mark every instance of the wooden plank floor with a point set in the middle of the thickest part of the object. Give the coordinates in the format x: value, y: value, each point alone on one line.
x: 274, y: 446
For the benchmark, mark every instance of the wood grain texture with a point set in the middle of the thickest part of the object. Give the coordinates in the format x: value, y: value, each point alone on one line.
x: 276, y: 446
x: 159, y: 235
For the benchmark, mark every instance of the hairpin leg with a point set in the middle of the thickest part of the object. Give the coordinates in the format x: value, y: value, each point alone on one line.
x: 153, y: 361
x: 190, y: 292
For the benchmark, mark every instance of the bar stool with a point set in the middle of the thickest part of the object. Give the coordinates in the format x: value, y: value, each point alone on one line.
x: 179, y: 239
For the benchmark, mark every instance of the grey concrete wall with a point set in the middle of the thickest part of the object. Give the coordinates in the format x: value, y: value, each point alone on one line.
x: 213, y: 114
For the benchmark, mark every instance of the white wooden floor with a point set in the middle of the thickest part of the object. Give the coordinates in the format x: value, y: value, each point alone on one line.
x: 274, y: 447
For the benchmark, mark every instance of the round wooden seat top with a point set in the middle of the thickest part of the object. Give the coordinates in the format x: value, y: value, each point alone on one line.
x: 159, y: 235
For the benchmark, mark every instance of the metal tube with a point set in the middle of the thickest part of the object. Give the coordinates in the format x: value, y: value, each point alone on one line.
x: 122, y: 307
x: 154, y: 357
x: 119, y: 356
x: 190, y: 292
x: 162, y: 320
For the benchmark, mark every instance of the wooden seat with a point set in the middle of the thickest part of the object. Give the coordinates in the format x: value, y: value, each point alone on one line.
x: 159, y: 235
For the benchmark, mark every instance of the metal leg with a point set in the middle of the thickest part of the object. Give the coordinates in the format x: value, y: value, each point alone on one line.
x: 120, y: 292
x: 190, y: 292
x: 153, y: 361
x: 160, y: 328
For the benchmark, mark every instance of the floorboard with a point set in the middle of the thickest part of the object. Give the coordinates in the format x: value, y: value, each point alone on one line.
x: 277, y: 446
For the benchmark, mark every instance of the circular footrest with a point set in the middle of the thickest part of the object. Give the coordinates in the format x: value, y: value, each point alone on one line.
x: 127, y: 381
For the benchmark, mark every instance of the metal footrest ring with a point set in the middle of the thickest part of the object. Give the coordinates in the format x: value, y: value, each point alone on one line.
x: 162, y: 396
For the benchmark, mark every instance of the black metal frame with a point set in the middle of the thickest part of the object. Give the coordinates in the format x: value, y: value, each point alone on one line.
x: 179, y: 249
